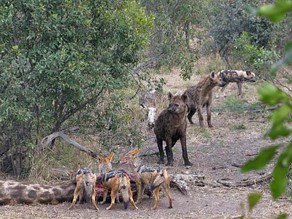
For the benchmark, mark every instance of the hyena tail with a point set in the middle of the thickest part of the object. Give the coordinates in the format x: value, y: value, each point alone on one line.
x: 124, y: 189
x: 161, y: 177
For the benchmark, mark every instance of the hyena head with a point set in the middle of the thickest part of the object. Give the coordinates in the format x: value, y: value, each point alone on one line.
x: 89, y: 181
x: 214, y: 80
x: 177, y: 103
x: 105, y: 163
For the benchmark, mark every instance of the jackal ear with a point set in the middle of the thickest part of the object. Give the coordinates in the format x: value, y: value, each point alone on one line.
x: 110, y: 157
x: 170, y: 95
x: 100, y: 159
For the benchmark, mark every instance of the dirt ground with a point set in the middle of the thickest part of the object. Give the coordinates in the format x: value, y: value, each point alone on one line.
x: 216, y: 153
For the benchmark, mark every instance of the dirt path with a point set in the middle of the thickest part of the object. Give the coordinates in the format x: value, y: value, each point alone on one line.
x: 217, y: 154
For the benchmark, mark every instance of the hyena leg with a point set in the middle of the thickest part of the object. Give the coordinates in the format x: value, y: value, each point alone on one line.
x: 156, y: 195
x: 161, y: 152
x: 200, y: 115
x: 169, y: 153
x: 239, y: 86
x: 183, y: 143
x: 209, y: 115
x: 190, y: 114
x: 105, y: 191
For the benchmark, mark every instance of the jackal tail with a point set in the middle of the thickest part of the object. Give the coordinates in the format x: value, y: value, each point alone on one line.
x: 161, y: 178
x: 124, y: 189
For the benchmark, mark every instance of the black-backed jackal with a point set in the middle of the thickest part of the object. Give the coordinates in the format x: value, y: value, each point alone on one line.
x: 85, y: 181
x: 145, y: 175
x: 115, y: 180
x: 235, y: 76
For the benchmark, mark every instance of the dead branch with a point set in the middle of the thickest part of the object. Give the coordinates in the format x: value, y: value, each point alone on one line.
x: 48, y: 140
x: 245, y: 183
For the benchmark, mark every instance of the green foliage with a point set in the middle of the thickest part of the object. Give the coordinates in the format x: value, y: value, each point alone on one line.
x: 253, y: 199
x: 230, y: 20
x: 61, y: 58
x: 251, y: 56
x: 261, y: 160
x: 271, y: 95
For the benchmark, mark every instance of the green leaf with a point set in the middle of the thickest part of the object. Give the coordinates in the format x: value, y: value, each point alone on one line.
x: 281, y: 114
x: 275, y: 12
x: 253, y: 199
x: 261, y: 160
x: 278, y: 130
x: 271, y: 95
x: 279, y: 182
x: 282, y: 216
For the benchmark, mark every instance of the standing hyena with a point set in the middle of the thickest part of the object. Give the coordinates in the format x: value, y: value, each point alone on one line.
x: 171, y: 126
x: 199, y: 96
x: 235, y: 76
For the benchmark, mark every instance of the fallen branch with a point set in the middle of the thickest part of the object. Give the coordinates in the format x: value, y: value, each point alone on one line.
x: 245, y: 183
x: 48, y: 140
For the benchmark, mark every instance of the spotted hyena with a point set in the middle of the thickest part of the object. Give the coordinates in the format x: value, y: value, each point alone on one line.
x: 235, y: 76
x: 199, y: 96
x: 171, y: 126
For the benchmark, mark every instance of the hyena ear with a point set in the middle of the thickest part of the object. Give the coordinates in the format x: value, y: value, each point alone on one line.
x: 170, y: 95
x: 184, y: 97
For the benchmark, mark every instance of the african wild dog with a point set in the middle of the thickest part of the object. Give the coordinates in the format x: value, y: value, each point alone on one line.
x: 153, y: 176
x: 170, y: 126
x: 235, y: 76
x: 116, y: 181
x: 199, y: 96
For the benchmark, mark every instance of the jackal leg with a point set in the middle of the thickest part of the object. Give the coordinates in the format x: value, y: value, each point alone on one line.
x: 156, y: 195
x: 166, y: 187
x: 131, y: 198
x: 140, y: 191
x: 75, y: 196
x: 105, y: 191
x: 114, y: 191
x: 93, y: 199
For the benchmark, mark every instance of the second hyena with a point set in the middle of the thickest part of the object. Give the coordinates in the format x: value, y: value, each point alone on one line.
x: 235, y: 76
x: 199, y: 96
x: 171, y: 126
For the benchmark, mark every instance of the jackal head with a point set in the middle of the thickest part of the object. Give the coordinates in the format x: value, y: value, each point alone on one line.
x: 130, y: 157
x: 177, y: 103
x: 105, y: 163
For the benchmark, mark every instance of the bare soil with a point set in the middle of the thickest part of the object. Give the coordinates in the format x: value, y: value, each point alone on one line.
x: 216, y: 153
